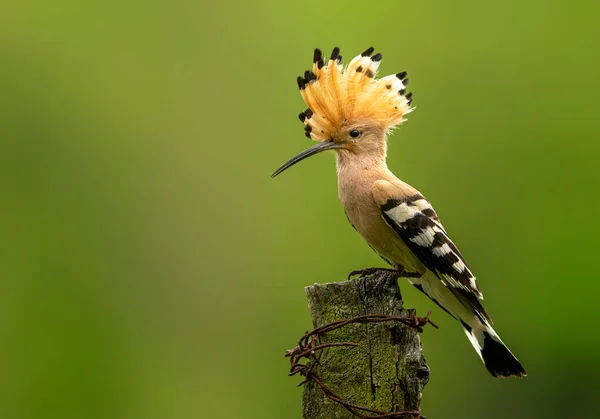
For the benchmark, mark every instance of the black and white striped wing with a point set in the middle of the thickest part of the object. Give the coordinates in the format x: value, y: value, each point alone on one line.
x: 417, y: 224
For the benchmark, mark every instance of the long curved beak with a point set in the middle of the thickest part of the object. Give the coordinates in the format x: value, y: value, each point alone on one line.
x: 325, y: 145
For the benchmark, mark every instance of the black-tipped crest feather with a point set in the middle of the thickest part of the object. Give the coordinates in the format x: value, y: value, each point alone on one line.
x: 368, y: 52
x: 301, y: 82
x: 309, y: 76
x: 338, y: 93
x: 335, y: 54
x: 318, y: 55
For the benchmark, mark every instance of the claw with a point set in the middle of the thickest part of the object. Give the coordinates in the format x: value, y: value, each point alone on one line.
x: 398, y: 273
x: 364, y: 272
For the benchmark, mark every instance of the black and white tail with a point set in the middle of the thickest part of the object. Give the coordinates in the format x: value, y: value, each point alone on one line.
x: 498, y: 359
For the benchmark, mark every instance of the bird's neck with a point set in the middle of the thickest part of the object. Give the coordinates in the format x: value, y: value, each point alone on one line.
x: 356, y: 175
x: 366, y: 166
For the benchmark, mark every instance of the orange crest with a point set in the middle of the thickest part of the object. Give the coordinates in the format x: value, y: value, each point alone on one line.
x: 336, y: 95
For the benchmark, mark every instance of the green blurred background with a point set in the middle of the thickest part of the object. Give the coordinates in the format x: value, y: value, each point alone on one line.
x: 151, y: 269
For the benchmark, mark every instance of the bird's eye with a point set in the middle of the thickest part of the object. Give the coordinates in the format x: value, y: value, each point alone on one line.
x: 355, y: 133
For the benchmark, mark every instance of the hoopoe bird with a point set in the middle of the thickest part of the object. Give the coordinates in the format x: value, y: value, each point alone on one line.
x: 352, y: 112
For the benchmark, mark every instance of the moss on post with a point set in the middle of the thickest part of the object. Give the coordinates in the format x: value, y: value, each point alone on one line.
x: 386, y: 372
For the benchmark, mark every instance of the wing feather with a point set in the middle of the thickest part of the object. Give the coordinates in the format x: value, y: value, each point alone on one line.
x: 417, y: 224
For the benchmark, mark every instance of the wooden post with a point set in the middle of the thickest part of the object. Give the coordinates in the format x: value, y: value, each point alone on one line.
x: 386, y: 372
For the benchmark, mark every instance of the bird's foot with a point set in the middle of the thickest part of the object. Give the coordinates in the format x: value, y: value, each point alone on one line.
x: 396, y: 273
x: 371, y: 271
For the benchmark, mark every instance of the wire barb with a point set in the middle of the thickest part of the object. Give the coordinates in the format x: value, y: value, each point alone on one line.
x: 309, y: 346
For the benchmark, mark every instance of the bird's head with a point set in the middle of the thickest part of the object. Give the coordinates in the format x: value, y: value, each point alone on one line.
x: 349, y: 109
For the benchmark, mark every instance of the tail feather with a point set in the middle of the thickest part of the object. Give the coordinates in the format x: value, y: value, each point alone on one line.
x: 497, y: 358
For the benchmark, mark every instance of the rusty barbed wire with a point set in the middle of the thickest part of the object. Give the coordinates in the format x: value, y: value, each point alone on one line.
x: 308, y: 346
